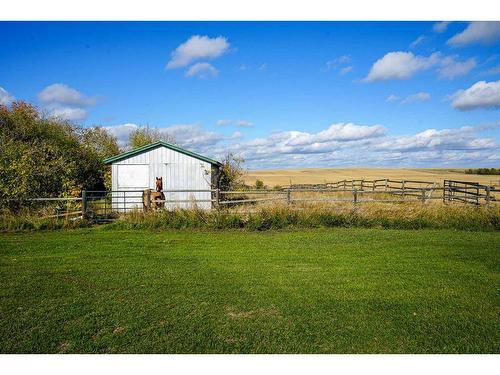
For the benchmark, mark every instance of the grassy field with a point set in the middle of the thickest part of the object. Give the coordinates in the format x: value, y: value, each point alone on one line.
x: 321, y: 175
x: 312, y: 291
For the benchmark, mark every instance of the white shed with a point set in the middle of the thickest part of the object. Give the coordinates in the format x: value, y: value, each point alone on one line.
x: 136, y: 170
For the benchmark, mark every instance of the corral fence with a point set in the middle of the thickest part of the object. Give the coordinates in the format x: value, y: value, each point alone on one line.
x: 468, y: 192
x: 107, y: 205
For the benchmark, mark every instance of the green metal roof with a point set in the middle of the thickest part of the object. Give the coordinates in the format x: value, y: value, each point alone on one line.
x: 152, y: 146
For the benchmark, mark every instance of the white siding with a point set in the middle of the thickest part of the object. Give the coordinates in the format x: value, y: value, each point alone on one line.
x: 179, y: 171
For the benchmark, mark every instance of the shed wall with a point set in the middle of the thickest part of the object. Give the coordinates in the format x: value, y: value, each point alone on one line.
x: 179, y: 171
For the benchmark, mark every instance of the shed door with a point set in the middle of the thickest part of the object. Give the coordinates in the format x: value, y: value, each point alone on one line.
x: 133, y: 176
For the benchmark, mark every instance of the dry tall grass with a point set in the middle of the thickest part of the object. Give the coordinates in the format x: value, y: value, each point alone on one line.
x: 278, y: 215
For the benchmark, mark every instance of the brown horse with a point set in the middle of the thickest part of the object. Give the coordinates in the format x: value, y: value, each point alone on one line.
x: 158, y: 194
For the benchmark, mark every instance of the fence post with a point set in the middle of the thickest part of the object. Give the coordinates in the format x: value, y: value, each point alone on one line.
x: 423, y: 195
x: 386, y: 184
x: 488, y: 196
x: 288, y: 197
x: 146, y: 199
x: 355, y: 196
x: 217, y: 197
x: 84, y: 203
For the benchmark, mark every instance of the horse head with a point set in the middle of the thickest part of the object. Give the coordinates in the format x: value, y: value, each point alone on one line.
x: 159, y: 184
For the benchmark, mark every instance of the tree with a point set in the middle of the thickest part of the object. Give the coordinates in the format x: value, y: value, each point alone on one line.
x: 259, y: 184
x: 44, y: 157
x: 232, y: 172
x: 100, y: 142
x: 146, y: 135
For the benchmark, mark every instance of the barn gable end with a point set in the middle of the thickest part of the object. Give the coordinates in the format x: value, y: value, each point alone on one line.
x: 180, y: 169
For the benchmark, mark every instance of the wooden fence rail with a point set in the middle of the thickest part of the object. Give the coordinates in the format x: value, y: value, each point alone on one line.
x: 105, y: 203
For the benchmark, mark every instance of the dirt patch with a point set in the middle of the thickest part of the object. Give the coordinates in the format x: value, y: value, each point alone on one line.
x: 63, y: 347
x: 261, y: 312
x: 119, y: 330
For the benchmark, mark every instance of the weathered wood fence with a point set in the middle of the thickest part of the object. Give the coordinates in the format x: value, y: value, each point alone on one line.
x: 107, y: 204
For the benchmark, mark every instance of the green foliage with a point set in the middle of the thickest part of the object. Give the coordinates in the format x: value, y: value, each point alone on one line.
x: 259, y: 184
x: 46, y: 157
x: 483, y: 171
x: 232, y: 172
x: 146, y: 135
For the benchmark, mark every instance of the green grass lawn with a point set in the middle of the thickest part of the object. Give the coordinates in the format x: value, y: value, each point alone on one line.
x: 310, y: 291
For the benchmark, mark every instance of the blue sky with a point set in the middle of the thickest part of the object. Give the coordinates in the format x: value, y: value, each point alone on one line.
x: 282, y: 94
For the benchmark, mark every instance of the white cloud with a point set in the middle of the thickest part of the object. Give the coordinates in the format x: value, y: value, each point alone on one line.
x: 477, y: 32
x: 418, y: 97
x: 192, y: 136
x: 417, y: 41
x: 440, y: 27
x: 69, y: 113
x: 65, y: 102
x: 336, y: 63
x: 59, y: 93
x: 5, y: 97
x: 451, y: 68
x: 403, y: 65
x: 122, y: 132
x: 239, y: 123
x: 202, y: 71
x: 244, y: 124
x: 195, y: 48
x: 357, y: 145
x: 263, y: 66
x: 345, y: 70
x: 433, y: 139
x: 400, y: 65
x: 482, y: 94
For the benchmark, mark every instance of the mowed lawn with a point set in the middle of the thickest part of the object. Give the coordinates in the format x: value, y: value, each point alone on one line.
x: 314, y: 291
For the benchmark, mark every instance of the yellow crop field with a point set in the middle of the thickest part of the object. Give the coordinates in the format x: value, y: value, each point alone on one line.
x: 284, y: 177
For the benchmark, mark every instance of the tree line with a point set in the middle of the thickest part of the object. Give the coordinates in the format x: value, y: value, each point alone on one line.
x: 42, y: 156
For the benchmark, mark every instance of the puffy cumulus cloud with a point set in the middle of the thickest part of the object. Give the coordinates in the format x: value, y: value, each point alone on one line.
x: 65, y: 102
x: 482, y: 94
x: 195, y: 48
x: 440, y: 27
x: 400, y: 65
x: 464, y: 138
x: 69, y: 113
x: 59, y: 93
x: 5, y: 97
x: 483, y: 32
x: 357, y: 145
x: 187, y: 135
x: 404, y: 65
x: 202, y: 71
x: 451, y: 67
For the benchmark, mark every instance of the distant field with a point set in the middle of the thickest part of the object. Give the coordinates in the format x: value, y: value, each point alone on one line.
x: 321, y: 175
x: 341, y: 290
